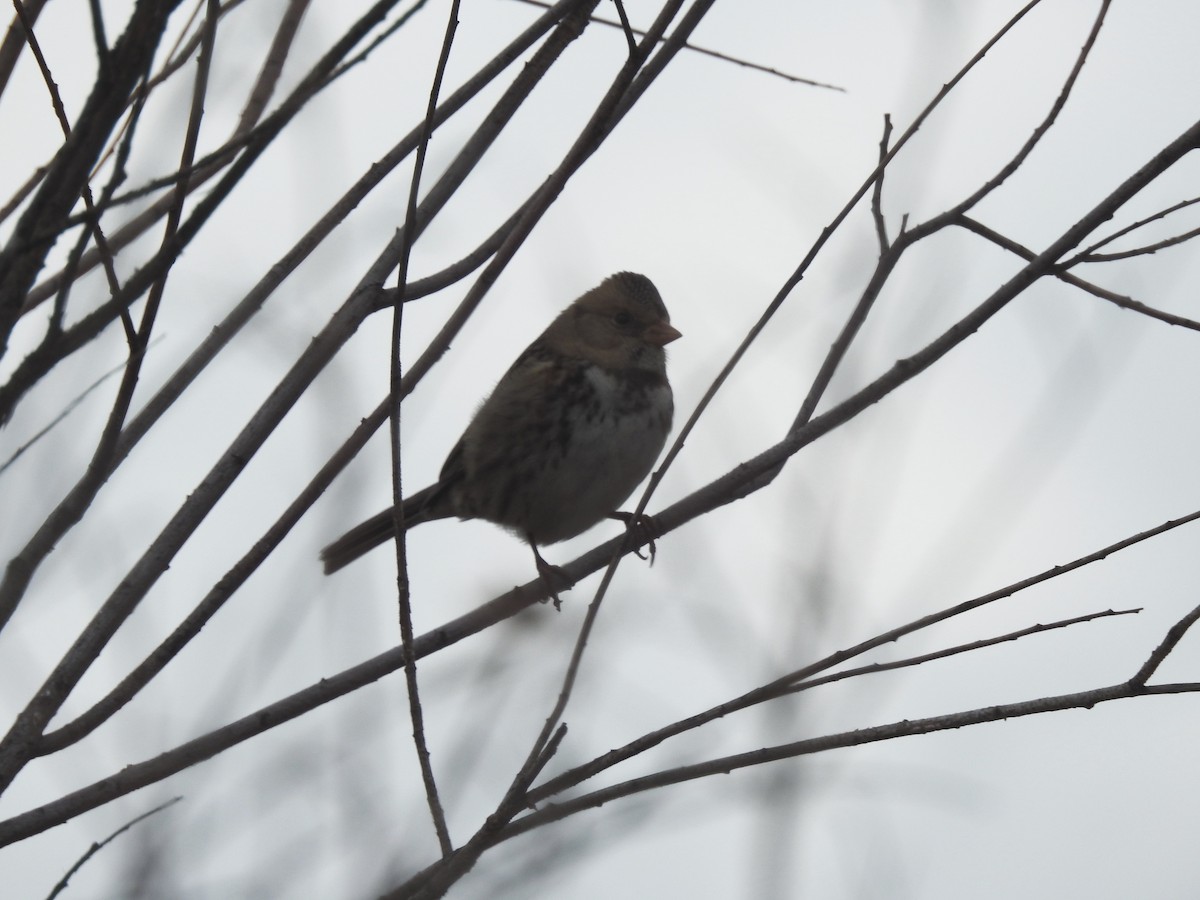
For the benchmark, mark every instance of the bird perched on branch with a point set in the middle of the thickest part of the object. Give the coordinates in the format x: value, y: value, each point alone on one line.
x: 569, y: 431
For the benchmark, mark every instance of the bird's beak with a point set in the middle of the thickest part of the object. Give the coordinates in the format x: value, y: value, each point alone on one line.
x: 661, y: 333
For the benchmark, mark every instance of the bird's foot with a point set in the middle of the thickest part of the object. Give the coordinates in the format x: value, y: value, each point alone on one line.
x: 555, y: 577
x: 640, y: 530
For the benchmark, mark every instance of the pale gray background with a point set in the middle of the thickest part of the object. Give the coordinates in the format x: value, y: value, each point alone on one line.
x: 1062, y: 426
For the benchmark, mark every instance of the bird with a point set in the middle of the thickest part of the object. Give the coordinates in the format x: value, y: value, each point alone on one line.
x: 573, y: 426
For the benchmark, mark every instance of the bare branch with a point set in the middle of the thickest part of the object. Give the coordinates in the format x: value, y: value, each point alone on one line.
x: 1038, y: 133
x: 416, y: 715
x: 785, y: 682
x: 139, y: 775
x: 39, y: 225
x: 1116, y: 299
x: 69, y: 511
x: 969, y: 647
x: 553, y: 812
x: 877, y: 192
x: 1169, y: 642
x: 1147, y: 250
x: 763, y: 477
x: 630, y: 30
x: 1091, y: 251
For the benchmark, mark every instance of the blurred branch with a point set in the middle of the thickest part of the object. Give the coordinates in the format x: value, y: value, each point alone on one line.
x: 785, y: 683
x: 252, y: 140
x: 725, y: 488
x: 14, y: 39
x: 45, y: 201
x: 67, y: 410
x: 72, y: 507
x: 93, y: 218
x: 21, y: 743
x: 165, y: 398
x: 139, y: 339
x: 38, y: 227
x: 23, y: 191
x: 763, y: 477
x: 139, y: 775
x: 272, y: 67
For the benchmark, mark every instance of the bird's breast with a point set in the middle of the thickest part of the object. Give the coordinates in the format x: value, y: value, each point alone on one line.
x: 614, y: 431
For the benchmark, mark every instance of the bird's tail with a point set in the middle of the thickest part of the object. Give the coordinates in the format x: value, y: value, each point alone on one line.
x: 381, y: 528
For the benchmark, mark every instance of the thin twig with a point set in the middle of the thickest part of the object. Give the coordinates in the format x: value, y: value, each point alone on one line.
x: 624, y: 80
x: 60, y: 112
x: 41, y: 221
x: 70, y: 270
x: 22, y: 192
x: 766, y: 691
x: 957, y: 650
x: 624, y: 25
x: 100, y: 845
x: 1121, y: 232
x: 1145, y: 250
x: 1038, y: 133
x: 28, y: 727
x: 877, y: 192
x: 121, y: 602
x: 254, y: 142
x: 553, y: 812
x: 795, y: 278
x: 138, y: 775
x: 1095, y: 290
x: 409, y: 233
x: 436, y: 879
x: 140, y: 338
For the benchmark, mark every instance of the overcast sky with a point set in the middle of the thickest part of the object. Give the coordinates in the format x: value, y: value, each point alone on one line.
x: 1063, y: 425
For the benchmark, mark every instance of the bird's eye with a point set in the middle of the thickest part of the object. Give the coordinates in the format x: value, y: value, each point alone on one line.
x: 623, y: 319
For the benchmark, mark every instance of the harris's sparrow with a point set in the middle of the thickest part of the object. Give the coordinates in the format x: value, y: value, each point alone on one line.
x: 569, y: 431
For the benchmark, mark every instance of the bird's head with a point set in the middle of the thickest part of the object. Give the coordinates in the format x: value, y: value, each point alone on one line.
x: 620, y: 324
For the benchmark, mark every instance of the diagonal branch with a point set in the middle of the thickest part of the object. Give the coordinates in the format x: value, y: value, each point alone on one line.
x: 25, y: 253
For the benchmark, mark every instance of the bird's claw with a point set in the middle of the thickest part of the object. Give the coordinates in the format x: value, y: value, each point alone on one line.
x: 550, y: 575
x: 642, y: 531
